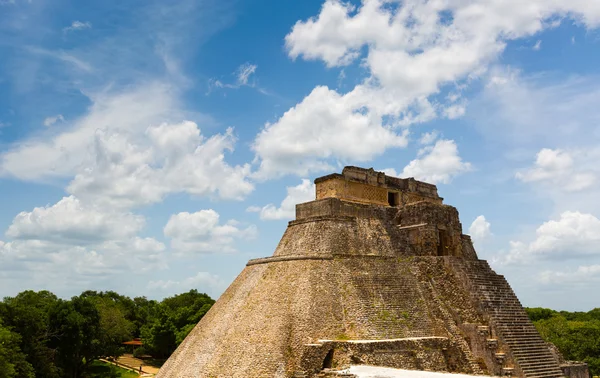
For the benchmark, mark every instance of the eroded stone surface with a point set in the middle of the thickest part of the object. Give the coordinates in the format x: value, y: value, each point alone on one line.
x: 375, y: 271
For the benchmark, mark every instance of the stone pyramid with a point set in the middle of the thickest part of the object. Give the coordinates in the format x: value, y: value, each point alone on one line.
x: 375, y: 271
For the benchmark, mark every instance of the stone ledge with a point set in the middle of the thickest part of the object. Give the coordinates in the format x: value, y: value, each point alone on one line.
x: 273, y: 259
x: 322, y: 218
x: 266, y: 260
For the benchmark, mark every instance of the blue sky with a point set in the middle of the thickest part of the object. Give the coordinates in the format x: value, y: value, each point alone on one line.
x: 151, y: 148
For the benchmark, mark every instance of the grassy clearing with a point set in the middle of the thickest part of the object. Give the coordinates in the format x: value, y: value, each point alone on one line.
x: 101, y: 369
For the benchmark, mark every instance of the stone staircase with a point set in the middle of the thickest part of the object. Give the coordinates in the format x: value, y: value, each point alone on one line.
x: 454, y: 330
x: 509, y: 320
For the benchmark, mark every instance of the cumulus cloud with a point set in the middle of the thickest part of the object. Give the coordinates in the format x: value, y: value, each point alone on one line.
x: 123, y: 153
x: 480, y: 229
x: 583, y: 275
x: 570, y: 171
x: 390, y: 172
x: 49, y: 121
x: 303, y: 192
x: 71, y: 222
x: 52, y: 265
x: 429, y: 138
x: 172, y: 158
x: 573, y: 235
x: 200, y: 232
x: 73, y: 243
x: 59, y: 155
x: 437, y: 164
x: 438, y: 29
x: 322, y: 126
x: 434, y: 43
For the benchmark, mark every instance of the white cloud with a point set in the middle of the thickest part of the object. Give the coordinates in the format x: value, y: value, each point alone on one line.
x: 390, y: 172
x: 49, y: 121
x: 77, y: 25
x: 437, y: 164
x: 434, y: 43
x: 583, y: 275
x: 71, y: 222
x: 480, y: 229
x: 200, y: 232
x: 322, y: 126
x: 63, y: 56
x: 123, y: 153
x: 301, y: 193
x: 539, y: 109
x: 418, y: 27
x: 244, y: 72
x: 59, y: 155
x: 428, y: 138
x: 455, y: 111
x: 574, y: 235
x: 172, y: 158
x: 538, y: 45
x: 564, y: 170
x: 202, y: 281
x: 52, y: 265
x: 71, y: 243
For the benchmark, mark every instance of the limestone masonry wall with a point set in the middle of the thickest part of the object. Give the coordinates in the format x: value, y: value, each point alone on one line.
x: 417, y: 353
x: 576, y: 370
x: 368, y: 186
x: 382, y: 276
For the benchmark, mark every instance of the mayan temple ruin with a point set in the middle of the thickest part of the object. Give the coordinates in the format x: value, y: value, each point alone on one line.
x: 375, y: 271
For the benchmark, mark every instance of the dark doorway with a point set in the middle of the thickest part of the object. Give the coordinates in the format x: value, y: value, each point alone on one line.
x: 393, y: 199
x: 443, y: 246
x: 328, y: 361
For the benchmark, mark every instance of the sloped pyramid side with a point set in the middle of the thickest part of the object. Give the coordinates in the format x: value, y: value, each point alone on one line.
x: 397, y: 286
x: 262, y: 324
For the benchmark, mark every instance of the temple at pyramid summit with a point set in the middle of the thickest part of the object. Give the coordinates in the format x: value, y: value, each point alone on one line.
x: 375, y: 272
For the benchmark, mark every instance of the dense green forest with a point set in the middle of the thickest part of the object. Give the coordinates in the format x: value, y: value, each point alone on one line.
x: 575, y: 334
x: 46, y: 337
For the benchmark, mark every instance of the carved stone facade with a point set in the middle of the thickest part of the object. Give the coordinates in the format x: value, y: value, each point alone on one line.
x: 375, y: 188
x: 375, y: 271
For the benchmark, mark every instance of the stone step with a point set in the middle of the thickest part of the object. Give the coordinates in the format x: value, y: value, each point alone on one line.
x: 530, y: 339
x: 531, y: 357
x: 529, y: 372
x: 514, y: 331
x: 533, y: 365
x: 526, y: 343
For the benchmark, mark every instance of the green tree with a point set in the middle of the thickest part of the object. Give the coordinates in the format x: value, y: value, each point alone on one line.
x: 115, y: 328
x: 575, y: 334
x: 76, y: 335
x: 539, y: 313
x: 172, y: 321
x: 13, y: 362
x: 27, y: 315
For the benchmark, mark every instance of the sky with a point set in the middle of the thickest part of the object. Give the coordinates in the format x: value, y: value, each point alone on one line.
x: 151, y: 148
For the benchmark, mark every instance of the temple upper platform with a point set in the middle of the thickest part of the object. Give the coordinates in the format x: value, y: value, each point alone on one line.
x: 368, y: 186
